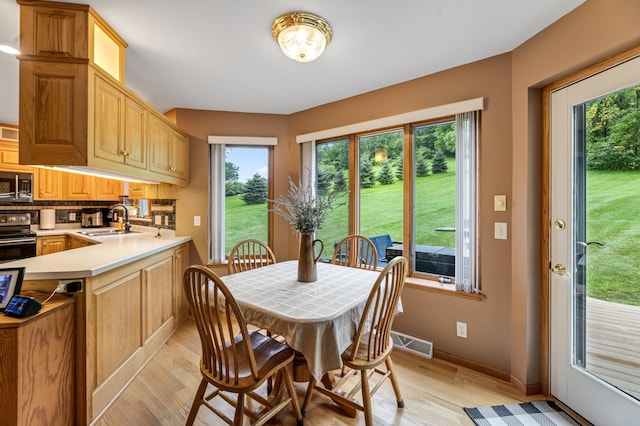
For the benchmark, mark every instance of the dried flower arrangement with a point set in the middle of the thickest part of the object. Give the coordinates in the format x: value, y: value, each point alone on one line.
x: 303, y: 209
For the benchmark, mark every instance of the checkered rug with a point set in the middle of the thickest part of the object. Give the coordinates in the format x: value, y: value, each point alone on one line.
x: 545, y: 413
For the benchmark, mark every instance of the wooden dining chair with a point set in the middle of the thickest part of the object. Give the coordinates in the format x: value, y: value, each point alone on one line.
x: 249, y: 254
x: 372, y: 346
x: 234, y: 360
x: 356, y: 251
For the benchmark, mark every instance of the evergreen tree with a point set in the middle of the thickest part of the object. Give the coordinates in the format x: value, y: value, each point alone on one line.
x: 339, y: 182
x: 385, y: 177
x: 255, y: 190
x: 399, y: 170
x: 367, y: 177
x: 439, y: 163
x: 230, y: 171
x: 422, y: 167
x: 324, y: 181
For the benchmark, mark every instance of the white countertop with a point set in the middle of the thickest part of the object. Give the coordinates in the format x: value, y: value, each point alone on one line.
x: 112, y: 252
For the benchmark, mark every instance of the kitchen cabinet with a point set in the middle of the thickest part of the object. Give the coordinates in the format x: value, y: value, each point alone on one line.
x: 74, y: 107
x: 130, y: 312
x: 158, y: 292
x: 108, y: 189
x: 55, y: 243
x: 168, y: 148
x: 120, y: 125
x: 181, y: 262
x: 50, y: 244
x: 37, y: 366
x: 139, y: 190
x: 77, y: 187
x: 162, y: 191
x: 9, y: 157
x: 47, y: 184
x: 74, y: 243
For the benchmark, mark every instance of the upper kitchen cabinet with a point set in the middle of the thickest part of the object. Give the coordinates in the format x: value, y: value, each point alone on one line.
x: 9, y: 150
x: 75, y: 110
x: 70, y: 32
x: 168, y: 149
x: 119, y: 127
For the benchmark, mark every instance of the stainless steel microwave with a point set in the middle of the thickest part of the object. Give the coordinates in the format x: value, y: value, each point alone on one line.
x: 16, y: 188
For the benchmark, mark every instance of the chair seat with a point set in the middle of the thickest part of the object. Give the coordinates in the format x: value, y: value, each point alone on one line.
x: 270, y: 356
x: 360, y: 362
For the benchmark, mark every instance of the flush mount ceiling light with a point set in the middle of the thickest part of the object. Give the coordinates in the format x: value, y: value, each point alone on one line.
x: 302, y: 36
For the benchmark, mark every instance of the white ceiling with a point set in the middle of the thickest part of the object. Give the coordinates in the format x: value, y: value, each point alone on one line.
x: 220, y: 55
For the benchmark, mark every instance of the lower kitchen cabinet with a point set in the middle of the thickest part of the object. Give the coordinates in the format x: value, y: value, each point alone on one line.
x: 130, y: 313
x: 50, y: 244
x: 122, y: 317
x: 37, y: 358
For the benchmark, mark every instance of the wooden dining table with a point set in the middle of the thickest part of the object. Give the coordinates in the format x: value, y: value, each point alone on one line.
x: 318, y: 319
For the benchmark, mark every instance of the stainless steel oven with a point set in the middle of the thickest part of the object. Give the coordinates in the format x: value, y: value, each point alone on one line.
x: 17, y: 241
x: 16, y: 188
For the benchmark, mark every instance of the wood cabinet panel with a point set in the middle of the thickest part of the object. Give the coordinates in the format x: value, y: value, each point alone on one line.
x: 74, y: 107
x: 158, y: 280
x: 47, y: 184
x: 135, y: 134
x: 118, y: 324
x: 119, y: 125
x: 47, y: 368
x: 9, y: 157
x: 108, y: 189
x: 181, y: 262
x: 53, y: 113
x: 77, y: 187
x: 50, y: 244
x: 108, y: 110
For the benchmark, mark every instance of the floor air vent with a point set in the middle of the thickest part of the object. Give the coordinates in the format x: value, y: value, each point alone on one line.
x: 412, y: 344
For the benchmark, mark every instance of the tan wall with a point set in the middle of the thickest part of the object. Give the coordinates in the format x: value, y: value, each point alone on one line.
x: 504, y: 328
x: 596, y: 30
x: 429, y: 315
x: 193, y: 199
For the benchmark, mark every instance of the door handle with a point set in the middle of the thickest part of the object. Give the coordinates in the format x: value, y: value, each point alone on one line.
x: 560, y: 269
x: 589, y: 243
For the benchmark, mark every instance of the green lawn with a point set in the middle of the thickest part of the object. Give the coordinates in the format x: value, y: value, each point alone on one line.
x: 613, y: 270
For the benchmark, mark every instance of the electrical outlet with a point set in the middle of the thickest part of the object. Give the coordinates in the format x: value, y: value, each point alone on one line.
x: 196, y: 221
x: 158, y: 219
x: 166, y: 221
x: 72, y: 216
x: 461, y: 329
x: 69, y: 286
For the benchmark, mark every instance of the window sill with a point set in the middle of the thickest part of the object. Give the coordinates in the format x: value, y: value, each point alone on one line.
x: 442, y: 288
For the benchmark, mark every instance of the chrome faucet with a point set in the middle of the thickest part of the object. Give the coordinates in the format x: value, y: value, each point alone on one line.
x: 127, y: 225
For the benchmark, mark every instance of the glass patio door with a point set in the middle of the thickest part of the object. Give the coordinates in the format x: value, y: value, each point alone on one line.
x: 595, y: 246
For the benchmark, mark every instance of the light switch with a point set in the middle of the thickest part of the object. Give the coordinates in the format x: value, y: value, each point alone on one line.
x: 500, y: 203
x: 500, y: 231
x: 158, y: 219
x: 196, y: 221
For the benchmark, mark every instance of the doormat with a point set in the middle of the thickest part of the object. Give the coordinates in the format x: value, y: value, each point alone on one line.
x: 529, y: 413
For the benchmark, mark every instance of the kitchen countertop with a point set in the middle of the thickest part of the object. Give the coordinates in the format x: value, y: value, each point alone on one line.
x: 112, y: 251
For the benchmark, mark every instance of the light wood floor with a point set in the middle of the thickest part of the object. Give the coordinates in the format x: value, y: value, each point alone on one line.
x: 434, y: 392
x: 613, y: 344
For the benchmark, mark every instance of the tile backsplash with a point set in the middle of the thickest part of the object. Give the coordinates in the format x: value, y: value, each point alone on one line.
x: 69, y: 212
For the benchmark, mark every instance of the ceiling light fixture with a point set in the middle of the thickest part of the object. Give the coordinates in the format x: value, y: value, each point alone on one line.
x: 302, y: 36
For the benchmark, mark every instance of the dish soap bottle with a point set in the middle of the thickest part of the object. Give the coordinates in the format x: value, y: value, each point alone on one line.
x: 120, y: 224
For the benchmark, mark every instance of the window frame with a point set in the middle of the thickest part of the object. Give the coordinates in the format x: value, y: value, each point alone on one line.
x: 216, y: 252
x: 409, y: 197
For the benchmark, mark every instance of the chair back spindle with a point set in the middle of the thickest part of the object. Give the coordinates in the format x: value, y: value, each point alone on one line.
x: 249, y: 254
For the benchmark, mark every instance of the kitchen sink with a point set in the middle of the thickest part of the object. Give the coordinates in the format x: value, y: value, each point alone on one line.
x: 103, y: 233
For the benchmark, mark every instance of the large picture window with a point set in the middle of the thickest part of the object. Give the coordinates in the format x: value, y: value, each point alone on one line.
x: 415, y: 189
x: 239, y: 187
